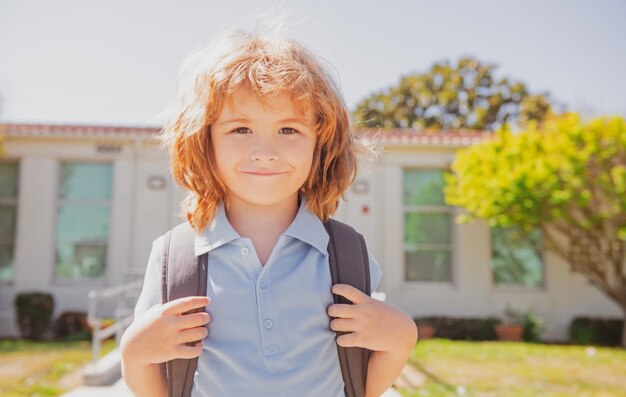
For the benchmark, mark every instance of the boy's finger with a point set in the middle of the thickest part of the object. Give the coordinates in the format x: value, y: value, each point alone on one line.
x: 194, y: 320
x: 185, y: 351
x: 349, y: 292
x: 348, y: 340
x: 192, y: 335
x: 342, y: 324
x: 182, y: 305
x: 341, y: 310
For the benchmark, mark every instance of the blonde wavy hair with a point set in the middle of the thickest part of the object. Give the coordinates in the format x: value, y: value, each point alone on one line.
x: 269, y: 62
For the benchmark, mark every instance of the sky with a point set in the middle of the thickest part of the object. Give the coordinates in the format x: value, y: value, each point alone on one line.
x: 115, y: 62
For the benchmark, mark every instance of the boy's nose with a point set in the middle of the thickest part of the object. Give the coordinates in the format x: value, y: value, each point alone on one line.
x: 264, y: 148
x: 266, y: 154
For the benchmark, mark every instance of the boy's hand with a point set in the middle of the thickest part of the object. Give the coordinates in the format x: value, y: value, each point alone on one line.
x: 160, y: 334
x: 372, y: 324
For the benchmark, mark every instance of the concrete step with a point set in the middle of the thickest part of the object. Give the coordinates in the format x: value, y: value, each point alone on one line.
x: 106, y: 370
x: 118, y: 389
x: 111, y: 383
x: 391, y: 392
x: 410, y: 378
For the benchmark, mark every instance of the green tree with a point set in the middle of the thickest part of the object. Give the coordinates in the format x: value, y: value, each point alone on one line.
x: 567, y: 178
x: 461, y: 96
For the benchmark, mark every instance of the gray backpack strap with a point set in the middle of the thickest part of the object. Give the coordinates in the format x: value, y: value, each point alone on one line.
x: 349, y: 264
x: 183, y: 274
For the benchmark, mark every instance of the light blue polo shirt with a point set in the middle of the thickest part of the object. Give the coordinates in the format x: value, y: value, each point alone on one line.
x: 269, y: 334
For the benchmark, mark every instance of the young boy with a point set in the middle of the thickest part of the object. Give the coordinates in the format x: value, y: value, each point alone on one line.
x: 261, y: 139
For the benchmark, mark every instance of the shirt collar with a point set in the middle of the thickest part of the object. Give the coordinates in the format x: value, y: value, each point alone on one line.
x: 216, y: 233
x: 306, y: 227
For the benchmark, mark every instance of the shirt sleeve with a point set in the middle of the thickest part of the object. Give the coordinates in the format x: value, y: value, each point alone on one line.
x: 151, y: 290
x: 375, y: 273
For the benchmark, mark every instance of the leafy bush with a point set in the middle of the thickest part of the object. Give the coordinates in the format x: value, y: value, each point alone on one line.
x: 71, y: 325
x: 596, y: 331
x: 33, y: 310
x: 513, y: 315
x: 78, y: 336
x: 533, y: 326
x: 461, y: 328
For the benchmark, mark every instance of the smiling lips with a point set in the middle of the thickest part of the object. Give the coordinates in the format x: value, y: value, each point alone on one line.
x: 262, y: 173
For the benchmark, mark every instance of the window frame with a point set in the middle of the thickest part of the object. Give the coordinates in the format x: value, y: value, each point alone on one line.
x: 14, y: 201
x: 517, y: 287
x: 429, y: 209
x: 95, y: 203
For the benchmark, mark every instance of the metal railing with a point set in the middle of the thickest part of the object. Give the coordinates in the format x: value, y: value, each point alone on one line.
x: 126, y: 296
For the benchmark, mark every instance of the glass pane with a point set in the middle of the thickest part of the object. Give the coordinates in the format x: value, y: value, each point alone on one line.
x: 516, y: 258
x: 427, y: 265
x: 85, y: 181
x: 8, y: 179
x: 7, y: 222
x: 6, y: 262
x: 420, y: 228
x: 423, y: 187
x: 81, y: 242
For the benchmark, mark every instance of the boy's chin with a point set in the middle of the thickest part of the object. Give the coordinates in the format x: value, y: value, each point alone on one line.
x: 261, y: 199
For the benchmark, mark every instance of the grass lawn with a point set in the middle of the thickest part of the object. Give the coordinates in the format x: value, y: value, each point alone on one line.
x: 38, y: 369
x: 507, y: 369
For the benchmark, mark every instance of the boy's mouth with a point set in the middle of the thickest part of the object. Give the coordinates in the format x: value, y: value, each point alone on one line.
x: 262, y: 173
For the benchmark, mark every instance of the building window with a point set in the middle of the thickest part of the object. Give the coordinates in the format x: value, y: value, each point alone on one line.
x: 427, y: 227
x: 516, y: 257
x: 83, y: 220
x: 9, y: 177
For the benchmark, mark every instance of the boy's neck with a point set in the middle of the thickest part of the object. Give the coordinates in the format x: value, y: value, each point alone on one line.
x: 254, y: 221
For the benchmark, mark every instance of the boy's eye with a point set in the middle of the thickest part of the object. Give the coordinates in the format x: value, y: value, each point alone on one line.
x: 289, y: 131
x: 241, y: 130
x: 285, y: 131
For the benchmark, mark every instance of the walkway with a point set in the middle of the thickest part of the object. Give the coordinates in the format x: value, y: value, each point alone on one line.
x: 410, y: 377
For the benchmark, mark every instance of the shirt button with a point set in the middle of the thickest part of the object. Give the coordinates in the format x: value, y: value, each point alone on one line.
x: 245, y: 251
x: 268, y: 324
x: 263, y: 283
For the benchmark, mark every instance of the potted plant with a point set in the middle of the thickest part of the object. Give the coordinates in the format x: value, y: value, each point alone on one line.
x: 425, y: 330
x: 533, y: 327
x: 511, y: 327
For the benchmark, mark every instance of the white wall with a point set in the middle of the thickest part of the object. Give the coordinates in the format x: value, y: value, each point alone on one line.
x: 141, y: 214
x: 138, y: 215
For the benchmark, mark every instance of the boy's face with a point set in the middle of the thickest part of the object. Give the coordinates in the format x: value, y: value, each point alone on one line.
x: 262, y: 151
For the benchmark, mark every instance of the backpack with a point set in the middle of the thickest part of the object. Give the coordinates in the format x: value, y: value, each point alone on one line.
x: 184, y: 274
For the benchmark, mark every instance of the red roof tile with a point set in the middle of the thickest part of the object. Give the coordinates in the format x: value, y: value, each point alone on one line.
x: 429, y: 137
x: 74, y: 130
x: 389, y: 136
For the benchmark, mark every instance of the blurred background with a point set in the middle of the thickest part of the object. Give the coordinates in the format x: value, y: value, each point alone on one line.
x: 498, y: 198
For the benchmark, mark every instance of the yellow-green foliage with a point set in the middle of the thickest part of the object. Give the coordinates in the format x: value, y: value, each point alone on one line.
x: 561, y: 170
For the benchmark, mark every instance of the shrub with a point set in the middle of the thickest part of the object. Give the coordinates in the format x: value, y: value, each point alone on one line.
x: 461, y: 328
x: 596, y: 331
x: 533, y: 326
x: 81, y: 335
x: 33, y: 310
x: 71, y: 325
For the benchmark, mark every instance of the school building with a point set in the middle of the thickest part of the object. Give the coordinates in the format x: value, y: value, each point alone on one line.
x: 81, y: 205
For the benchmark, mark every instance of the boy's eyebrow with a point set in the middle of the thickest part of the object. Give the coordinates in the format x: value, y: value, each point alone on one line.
x: 232, y: 121
x: 244, y: 120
